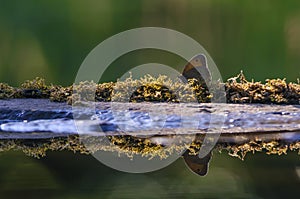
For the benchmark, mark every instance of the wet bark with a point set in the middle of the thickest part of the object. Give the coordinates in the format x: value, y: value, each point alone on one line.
x: 46, y: 118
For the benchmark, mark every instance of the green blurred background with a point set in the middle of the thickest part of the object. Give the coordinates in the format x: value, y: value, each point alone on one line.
x: 67, y: 175
x: 50, y: 39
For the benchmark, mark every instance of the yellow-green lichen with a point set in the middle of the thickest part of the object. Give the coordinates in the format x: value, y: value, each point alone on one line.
x: 60, y: 94
x: 160, y: 89
x: 278, y: 91
x: 35, y: 88
x: 6, y: 91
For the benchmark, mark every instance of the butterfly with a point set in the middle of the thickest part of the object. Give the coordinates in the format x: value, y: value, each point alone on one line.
x: 197, y: 68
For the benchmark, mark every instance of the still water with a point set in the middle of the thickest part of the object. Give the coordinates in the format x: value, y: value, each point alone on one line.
x: 68, y: 175
x: 64, y: 174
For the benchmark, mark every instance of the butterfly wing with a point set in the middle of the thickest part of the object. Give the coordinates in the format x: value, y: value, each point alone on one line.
x: 197, y: 68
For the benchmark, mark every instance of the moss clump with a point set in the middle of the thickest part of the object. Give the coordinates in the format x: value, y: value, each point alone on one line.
x: 35, y: 88
x: 277, y: 91
x: 104, y: 92
x: 153, y: 93
x: 90, y: 91
x: 6, y: 91
x: 160, y: 89
x: 60, y: 94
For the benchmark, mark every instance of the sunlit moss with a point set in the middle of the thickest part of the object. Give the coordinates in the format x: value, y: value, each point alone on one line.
x: 35, y: 88
x: 159, y: 89
x: 148, y: 88
x: 6, y: 91
x: 90, y: 91
x: 60, y: 94
x: 276, y: 91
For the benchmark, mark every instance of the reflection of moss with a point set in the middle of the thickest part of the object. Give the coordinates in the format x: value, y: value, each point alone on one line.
x: 38, y: 148
x: 143, y: 146
x: 148, y: 88
x: 131, y: 146
x: 160, y: 89
x: 271, y: 147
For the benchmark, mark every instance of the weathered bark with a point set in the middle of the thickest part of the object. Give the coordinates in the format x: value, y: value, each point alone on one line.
x: 55, y: 119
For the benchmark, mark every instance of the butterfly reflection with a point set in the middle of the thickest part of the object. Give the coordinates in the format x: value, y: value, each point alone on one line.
x: 198, y: 165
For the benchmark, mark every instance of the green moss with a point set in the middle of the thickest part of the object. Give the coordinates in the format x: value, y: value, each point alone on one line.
x: 35, y: 88
x: 60, y: 94
x: 6, y: 91
x: 160, y: 89
x: 151, y: 89
x: 277, y: 91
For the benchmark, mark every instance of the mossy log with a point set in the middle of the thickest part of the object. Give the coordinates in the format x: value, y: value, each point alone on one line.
x: 260, y: 116
x: 37, y: 125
